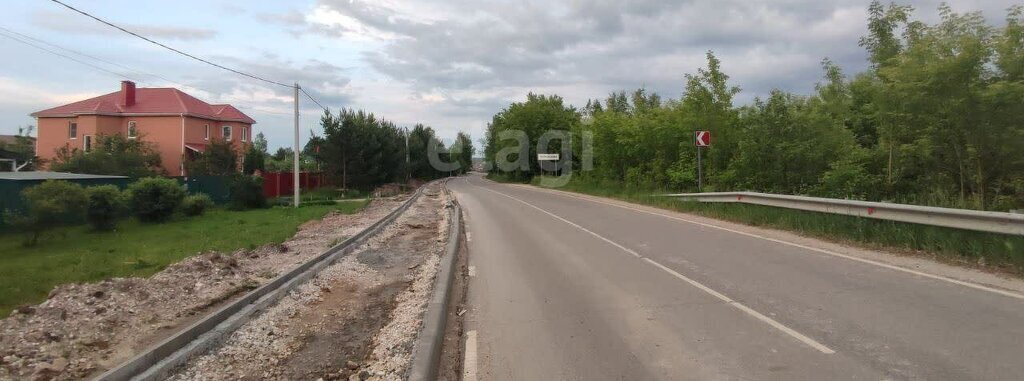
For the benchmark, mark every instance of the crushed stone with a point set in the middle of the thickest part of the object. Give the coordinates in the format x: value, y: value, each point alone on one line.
x: 84, y: 329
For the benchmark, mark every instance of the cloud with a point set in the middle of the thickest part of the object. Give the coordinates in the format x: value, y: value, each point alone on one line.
x: 74, y: 24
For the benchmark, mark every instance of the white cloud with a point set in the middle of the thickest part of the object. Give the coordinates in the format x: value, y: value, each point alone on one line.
x: 19, y: 93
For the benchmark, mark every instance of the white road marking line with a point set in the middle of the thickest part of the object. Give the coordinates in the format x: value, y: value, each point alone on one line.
x: 469, y: 236
x: 613, y: 243
x: 472, y: 271
x: 789, y: 331
x: 819, y: 250
x: 469, y: 361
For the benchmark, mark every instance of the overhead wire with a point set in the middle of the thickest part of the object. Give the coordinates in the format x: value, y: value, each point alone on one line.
x: 311, y: 98
x: 26, y: 40
x: 115, y: 26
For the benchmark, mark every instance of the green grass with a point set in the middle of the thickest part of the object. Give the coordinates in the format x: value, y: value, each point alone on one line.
x: 77, y: 254
x: 1000, y: 252
x: 321, y: 196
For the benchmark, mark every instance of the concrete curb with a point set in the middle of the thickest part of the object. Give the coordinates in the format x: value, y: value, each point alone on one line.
x: 158, y: 361
x: 427, y: 351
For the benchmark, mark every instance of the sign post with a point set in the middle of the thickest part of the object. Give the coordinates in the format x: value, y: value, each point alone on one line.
x: 547, y: 157
x: 701, y: 139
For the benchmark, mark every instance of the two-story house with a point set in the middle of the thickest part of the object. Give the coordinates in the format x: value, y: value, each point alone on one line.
x: 178, y: 124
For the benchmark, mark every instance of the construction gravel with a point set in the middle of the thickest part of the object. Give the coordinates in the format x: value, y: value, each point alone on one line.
x: 356, y: 320
x: 84, y: 329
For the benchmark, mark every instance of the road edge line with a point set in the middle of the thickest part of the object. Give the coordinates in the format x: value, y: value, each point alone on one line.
x: 469, y: 365
x: 740, y: 306
x: 963, y: 283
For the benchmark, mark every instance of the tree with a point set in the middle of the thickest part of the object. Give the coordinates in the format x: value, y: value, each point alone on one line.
x: 462, y: 150
x: 49, y: 205
x: 219, y: 159
x: 361, y: 151
x: 22, y: 150
x: 111, y: 155
x: 534, y: 117
x: 255, y: 156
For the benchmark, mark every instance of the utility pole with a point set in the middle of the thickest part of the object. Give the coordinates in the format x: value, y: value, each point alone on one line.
x: 295, y: 166
x: 408, y: 168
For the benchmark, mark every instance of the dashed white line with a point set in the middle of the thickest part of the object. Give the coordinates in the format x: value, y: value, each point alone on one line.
x: 740, y: 306
x: 815, y: 249
x: 613, y: 243
x: 789, y: 331
x: 472, y: 271
x: 469, y: 360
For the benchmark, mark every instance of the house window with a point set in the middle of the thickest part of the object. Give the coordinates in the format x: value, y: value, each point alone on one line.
x: 226, y: 133
x: 87, y: 143
x: 133, y: 132
x: 72, y: 130
x: 245, y: 134
x: 206, y: 127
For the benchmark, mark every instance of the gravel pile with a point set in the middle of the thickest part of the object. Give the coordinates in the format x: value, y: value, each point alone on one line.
x: 393, y: 345
x: 84, y: 329
x: 311, y: 332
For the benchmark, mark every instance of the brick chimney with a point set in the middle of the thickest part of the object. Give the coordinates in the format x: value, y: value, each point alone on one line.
x: 127, y: 93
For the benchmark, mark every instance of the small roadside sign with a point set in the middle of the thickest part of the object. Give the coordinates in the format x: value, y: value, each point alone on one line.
x: 702, y: 138
x: 547, y: 157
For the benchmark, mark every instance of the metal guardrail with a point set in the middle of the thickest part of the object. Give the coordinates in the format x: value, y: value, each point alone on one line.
x: 993, y: 222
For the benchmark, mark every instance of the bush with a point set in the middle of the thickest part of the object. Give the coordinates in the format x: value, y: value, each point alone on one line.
x: 104, y: 206
x: 49, y: 204
x: 155, y: 199
x: 111, y: 155
x: 196, y: 205
x: 246, y: 192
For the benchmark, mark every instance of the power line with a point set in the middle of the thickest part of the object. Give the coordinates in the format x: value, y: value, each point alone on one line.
x: 239, y: 72
x: 25, y: 36
x: 312, y: 99
x: 120, y: 75
x: 21, y: 37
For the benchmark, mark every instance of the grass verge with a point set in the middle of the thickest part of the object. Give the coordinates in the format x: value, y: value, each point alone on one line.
x: 78, y: 254
x: 1000, y: 252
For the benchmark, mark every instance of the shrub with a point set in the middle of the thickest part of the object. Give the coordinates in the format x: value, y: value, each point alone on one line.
x: 49, y: 204
x: 155, y: 199
x: 246, y: 192
x: 104, y: 206
x: 111, y: 155
x: 196, y: 205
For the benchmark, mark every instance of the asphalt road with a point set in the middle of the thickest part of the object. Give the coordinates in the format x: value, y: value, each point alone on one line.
x: 563, y: 288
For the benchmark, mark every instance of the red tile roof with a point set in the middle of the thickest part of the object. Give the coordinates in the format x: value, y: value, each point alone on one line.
x: 153, y: 101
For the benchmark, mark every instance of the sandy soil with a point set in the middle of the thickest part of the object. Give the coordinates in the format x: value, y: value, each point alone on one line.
x: 357, y: 319
x: 84, y: 329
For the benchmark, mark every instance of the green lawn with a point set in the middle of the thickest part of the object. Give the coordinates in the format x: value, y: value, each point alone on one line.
x: 77, y: 254
x: 995, y: 251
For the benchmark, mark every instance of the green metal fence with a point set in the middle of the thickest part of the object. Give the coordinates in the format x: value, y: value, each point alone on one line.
x: 214, y: 186
x: 12, y: 183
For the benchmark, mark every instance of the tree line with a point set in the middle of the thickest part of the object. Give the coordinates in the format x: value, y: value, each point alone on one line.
x: 359, y: 150
x: 936, y: 119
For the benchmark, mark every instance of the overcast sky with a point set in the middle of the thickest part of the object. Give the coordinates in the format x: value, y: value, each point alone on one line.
x: 447, y: 64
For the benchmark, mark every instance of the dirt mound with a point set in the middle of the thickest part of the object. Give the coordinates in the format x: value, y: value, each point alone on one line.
x: 84, y: 329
